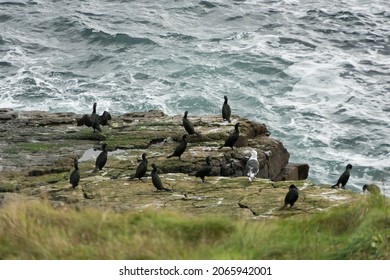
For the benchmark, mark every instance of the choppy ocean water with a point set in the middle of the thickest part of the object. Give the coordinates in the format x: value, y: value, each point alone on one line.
x: 316, y: 72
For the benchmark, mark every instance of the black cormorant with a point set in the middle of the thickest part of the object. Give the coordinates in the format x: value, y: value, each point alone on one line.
x: 233, y: 137
x: 94, y: 120
x: 291, y: 196
x: 188, y: 125
x: 141, y: 169
x: 156, y: 180
x: 252, y: 166
x: 180, y: 148
x: 342, y: 181
x: 101, y: 159
x: 206, y: 170
x: 75, y: 175
x: 226, y: 111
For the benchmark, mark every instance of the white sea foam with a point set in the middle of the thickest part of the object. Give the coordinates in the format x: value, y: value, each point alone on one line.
x: 318, y: 75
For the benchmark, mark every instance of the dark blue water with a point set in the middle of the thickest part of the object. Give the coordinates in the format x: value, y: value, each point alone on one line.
x: 316, y: 72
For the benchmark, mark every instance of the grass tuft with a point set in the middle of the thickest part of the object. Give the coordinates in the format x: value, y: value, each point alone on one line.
x: 35, y: 230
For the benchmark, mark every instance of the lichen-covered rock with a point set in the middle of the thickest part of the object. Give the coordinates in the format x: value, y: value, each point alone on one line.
x: 41, y: 140
x: 38, y: 149
x: 233, y: 197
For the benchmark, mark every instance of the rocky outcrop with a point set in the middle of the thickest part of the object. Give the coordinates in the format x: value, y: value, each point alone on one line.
x: 45, y: 142
x: 37, y: 151
x: 7, y: 114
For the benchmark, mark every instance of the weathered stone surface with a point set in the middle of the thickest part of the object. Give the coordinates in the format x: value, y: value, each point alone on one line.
x: 234, y: 197
x: 50, y: 140
x: 294, y: 172
x: 37, y: 151
x: 7, y: 114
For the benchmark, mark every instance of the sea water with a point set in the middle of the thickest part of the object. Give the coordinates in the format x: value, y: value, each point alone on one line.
x: 317, y: 73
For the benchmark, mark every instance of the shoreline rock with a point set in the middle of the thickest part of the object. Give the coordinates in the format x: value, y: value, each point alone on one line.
x: 41, y: 140
x: 37, y: 151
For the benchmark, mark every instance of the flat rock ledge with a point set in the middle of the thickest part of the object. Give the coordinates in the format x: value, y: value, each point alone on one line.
x: 37, y: 151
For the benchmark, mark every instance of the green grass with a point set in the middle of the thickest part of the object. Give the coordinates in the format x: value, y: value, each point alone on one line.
x: 89, y: 134
x: 7, y: 187
x: 30, y: 147
x: 35, y: 230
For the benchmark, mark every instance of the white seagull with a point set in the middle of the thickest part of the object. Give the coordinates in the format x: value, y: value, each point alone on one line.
x: 252, y: 166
